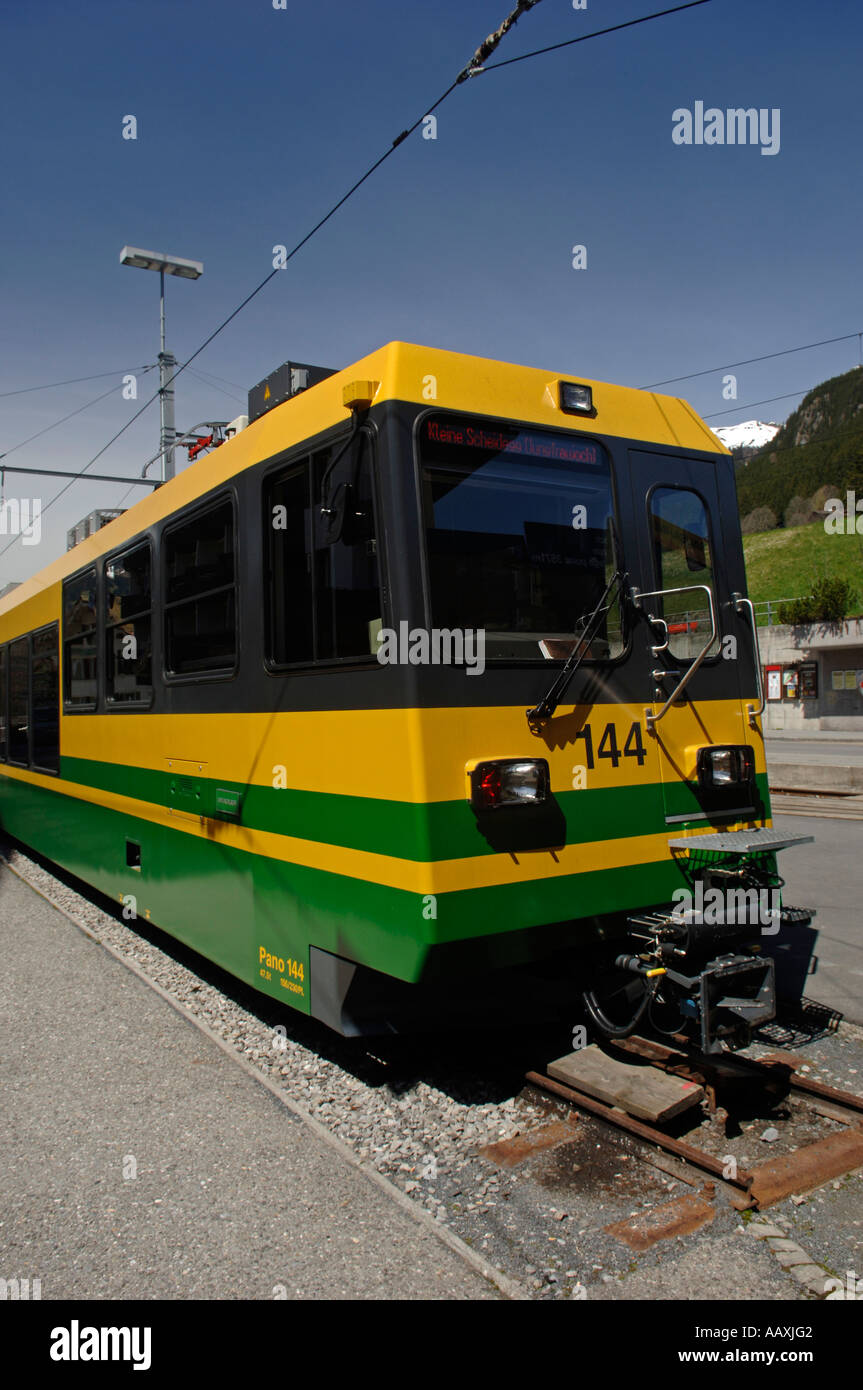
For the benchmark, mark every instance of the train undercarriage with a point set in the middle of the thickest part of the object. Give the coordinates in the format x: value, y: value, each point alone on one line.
x: 699, y: 967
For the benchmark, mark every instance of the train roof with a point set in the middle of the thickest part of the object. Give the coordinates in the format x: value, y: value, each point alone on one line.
x: 403, y: 372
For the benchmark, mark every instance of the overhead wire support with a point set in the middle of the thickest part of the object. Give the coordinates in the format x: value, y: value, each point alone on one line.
x: 582, y: 38
x: 95, y: 477
x: 488, y: 46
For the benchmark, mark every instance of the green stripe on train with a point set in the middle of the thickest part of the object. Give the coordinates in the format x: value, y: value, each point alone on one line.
x: 422, y: 832
x: 228, y: 903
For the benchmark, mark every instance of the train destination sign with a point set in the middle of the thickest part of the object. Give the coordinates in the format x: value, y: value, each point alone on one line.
x: 466, y: 434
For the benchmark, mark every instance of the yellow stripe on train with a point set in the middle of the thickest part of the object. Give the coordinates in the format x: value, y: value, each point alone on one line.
x: 414, y: 755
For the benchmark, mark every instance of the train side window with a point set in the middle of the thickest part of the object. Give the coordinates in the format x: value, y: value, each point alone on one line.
x: 80, y: 651
x: 128, y: 633
x: 3, y: 683
x: 287, y: 520
x: 19, y: 701
x: 45, y: 701
x: 347, y: 591
x: 200, y: 594
x: 680, y: 534
x: 323, y: 597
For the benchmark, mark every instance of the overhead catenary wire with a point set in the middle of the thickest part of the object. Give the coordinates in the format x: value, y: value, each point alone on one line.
x: 748, y: 361
x: 474, y: 68
x: 789, y: 395
x: 213, y: 385
x: 73, y: 380
x: 465, y: 73
x: 63, y: 418
x: 75, y: 479
x: 211, y: 376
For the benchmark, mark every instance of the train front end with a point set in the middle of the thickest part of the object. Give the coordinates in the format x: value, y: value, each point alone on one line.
x: 575, y: 670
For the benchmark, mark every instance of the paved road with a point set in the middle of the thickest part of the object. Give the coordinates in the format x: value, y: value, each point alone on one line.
x: 234, y: 1195
x: 828, y: 875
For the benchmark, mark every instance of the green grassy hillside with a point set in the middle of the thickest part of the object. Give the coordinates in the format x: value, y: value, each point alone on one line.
x: 784, y: 563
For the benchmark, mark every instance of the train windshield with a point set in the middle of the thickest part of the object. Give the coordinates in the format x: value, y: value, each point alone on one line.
x: 519, y: 535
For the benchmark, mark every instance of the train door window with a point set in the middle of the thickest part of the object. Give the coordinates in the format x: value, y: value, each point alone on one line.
x: 128, y: 635
x: 287, y: 521
x: 3, y: 686
x: 80, y: 683
x: 45, y: 701
x: 200, y: 594
x: 19, y: 701
x: 680, y: 535
x: 346, y: 587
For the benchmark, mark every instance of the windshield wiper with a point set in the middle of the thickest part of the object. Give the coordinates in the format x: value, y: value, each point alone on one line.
x: 537, y: 716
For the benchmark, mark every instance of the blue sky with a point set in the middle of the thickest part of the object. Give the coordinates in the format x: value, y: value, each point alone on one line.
x: 252, y: 121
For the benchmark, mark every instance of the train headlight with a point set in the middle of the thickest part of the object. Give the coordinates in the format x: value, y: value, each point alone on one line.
x: 725, y: 767
x: 509, y: 782
x: 576, y: 398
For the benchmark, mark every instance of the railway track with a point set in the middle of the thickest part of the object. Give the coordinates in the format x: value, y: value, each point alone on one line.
x: 800, y: 1170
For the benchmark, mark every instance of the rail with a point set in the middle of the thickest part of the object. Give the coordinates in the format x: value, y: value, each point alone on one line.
x: 801, y: 1169
x: 766, y: 611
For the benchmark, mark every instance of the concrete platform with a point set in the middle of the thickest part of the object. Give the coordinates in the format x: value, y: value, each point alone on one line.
x: 234, y: 1195
x: 814, y: 775
x: 815, y: 763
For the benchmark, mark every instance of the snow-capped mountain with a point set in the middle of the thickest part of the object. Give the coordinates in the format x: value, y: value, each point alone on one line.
x: 752, y: 434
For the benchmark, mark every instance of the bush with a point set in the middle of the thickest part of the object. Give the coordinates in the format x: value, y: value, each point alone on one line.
x: 761, y: 519
x: 820, y: 496
x: 830, y: 602
x: 799, y: 610
x: 799, y: 512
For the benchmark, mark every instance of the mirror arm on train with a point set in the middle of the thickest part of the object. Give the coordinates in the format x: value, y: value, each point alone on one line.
x: 333, y: 513
x: 543, y: 711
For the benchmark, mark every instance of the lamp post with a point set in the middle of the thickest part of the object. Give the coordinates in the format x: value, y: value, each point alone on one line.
x: 187, y: 270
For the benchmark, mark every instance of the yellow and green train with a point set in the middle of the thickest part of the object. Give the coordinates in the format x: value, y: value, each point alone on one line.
x: 440, y: 668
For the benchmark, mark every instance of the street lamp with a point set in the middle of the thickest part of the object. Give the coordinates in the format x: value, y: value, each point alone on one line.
x: 187, y: 270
